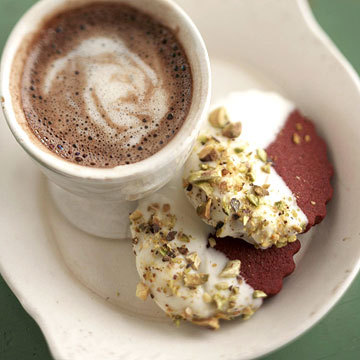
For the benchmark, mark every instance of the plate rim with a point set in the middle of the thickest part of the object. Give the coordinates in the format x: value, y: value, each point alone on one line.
x: 309, y: 323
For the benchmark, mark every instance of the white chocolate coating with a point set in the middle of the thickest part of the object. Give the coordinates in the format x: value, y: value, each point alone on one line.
x: 260, y: 224
x: 165, y: 279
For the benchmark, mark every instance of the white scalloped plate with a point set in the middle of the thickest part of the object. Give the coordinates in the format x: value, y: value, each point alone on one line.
x: 80, y: 289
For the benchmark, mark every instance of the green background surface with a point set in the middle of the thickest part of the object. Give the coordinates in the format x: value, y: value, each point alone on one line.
x: 337, y: 336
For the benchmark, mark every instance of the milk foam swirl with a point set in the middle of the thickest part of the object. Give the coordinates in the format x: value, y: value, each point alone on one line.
x: 120, y: 88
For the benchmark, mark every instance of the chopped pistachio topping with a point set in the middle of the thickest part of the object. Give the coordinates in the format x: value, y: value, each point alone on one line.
x: 203, y: 139
x: 232, y: 130
x: 245, y: 220
x: 266, y: 168
x: 212, y: 323
x: 212, y: 242
x: 188, y: 312
x: 207, y: 298
x: 260, y: 191
x: 296, y: 138
x: 253, y: 199
x: 239, y: 149
x: 184, y: 238
x: 222, y: 285
x: 298, y: 126
x: 195, y: 279
x: 313, y: 202
x: 235, y: 204
x: 206, y: 188
x: 219, y: 117
x: 231, y: 269
x: 261, y: 153
x: 259, y: 294
x: 193, y: 259
x: 280, y: 205
x: 220, y: 301
x: 225, y: 206
x: 203, y: 210
x: 142, y: 291
x: 200, y: 176
x: 226, y: 192
x: 136, y: 215
x: 208, y: 153
x: 307, y: 138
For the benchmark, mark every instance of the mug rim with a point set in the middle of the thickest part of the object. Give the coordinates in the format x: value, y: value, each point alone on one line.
x: 181, y: 141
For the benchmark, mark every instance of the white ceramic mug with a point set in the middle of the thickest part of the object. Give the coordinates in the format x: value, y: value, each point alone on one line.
x: 99, y: 200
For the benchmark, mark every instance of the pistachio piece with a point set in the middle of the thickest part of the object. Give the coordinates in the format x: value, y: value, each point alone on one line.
x: 251, y: 176
x: 232, y: 130
x: 136, y: 215
x: 220, y: 301
x: 297, y: 228
x: 135, y: 240
x: 231, y: 269
x: 203, y: 210
x: 203, y: 139
x: 298, y: 126
x: 225, y: 206
x: 212, y: 242
x: 266, y: 168
x: 193, y: 280
x: 235, y: 204
x: 208, y: 153
x: 188, y: 312
x: 280, y: 205
x: 206, y: 188
x: 261, y: 154
x: 296, y: 138
x: 193, y: 259
x: 173, y: 287
x: 201, y: 176
x: 222, y: 285
x: 292, y: 238
x: 212, y: 323
x: 184, y: 238
x: 247, y: 313
x: 253, y: 199
x: 171, y: 235
x: 259, y: 294
x: 245, y: 220
x: 204, y: 166
x: 260, y: 191
x: 207, y: 298
x: 183, y: 250
x: 142, y: 291
x: 219, y: 117
x: 307, y: 138
x: 239, y: 149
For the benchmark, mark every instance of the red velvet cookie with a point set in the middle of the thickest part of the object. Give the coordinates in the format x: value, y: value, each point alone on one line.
x: 299, y: 156
x: 262, y: 269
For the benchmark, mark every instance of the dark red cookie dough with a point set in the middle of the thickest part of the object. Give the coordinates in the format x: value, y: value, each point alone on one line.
x: 300, y: 158
x: 262, y: 269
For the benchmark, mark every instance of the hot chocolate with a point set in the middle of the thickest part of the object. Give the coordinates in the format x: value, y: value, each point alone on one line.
x: 105, y: 85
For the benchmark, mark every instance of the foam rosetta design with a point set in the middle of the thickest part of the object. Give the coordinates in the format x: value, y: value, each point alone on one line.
x: 120, y: 89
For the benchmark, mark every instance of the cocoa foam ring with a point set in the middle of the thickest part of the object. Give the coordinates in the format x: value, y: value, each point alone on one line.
x: 262, y: 269
x: 300, y: 158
